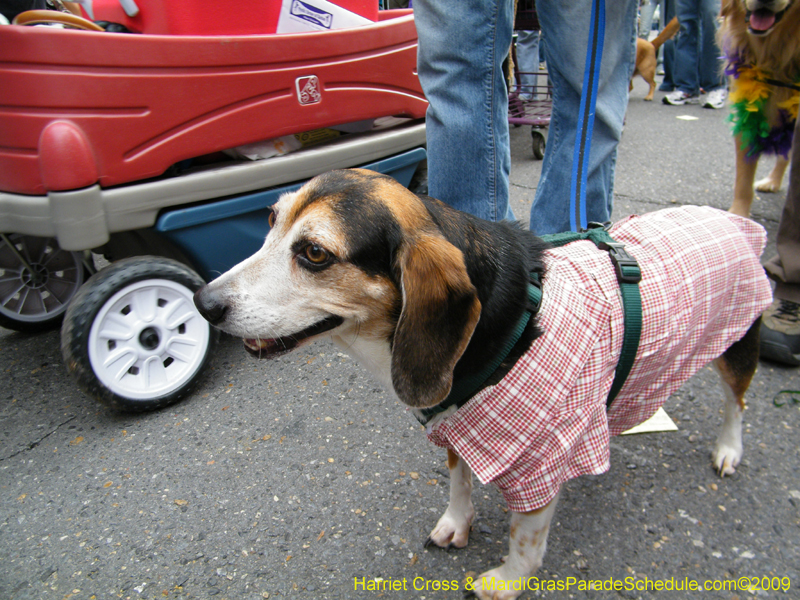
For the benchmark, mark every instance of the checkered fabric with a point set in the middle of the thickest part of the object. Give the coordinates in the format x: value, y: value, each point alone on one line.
x: 545, y: 422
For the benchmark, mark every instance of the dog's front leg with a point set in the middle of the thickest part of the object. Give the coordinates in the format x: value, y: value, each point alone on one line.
x: 526, y: 548
x: 452, y: 530
x: 743, y: 191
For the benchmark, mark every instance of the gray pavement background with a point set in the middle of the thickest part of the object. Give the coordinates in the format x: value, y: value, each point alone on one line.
x: 296, y: 477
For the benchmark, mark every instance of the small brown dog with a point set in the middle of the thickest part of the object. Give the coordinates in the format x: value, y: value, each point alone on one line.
x: 646, y: 60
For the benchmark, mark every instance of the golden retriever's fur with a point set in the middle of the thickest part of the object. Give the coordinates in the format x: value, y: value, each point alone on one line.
x: 775, y: 50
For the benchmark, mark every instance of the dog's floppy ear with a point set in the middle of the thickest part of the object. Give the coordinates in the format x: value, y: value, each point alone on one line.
x: 439, y: 315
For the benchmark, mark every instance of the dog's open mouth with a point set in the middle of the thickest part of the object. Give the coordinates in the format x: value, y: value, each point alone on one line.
x: 271, y: 348
x: 761, y: 21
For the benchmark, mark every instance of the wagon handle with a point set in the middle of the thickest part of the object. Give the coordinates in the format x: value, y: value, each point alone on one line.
x: 41, y: 17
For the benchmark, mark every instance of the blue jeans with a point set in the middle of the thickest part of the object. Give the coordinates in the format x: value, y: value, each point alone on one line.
x: 462, y: 46
x: 528, y: 63
x: 697, y: 56
x: 646, y: 11
x: 566, y: 27
x: 668, y: 49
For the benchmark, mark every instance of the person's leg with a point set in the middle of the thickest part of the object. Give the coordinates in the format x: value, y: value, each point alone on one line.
x: 684, y: 72
x: 710, y: 71
x: 785, y: 267
x: 780, y: 331
x: 542, y: 52
x: 566, y: 28
x: 462, y: 46
x: 528, y: 62
x: 668, y: 49
x: 646, y: 11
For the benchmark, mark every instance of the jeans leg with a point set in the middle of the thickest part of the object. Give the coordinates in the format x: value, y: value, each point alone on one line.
x: 687, y: 47
x: 711, y: 74
x: 646, y: 18
x: 668, y: 49
x: 566, y: 27
x: 462, y: 46
x: 528, y: 62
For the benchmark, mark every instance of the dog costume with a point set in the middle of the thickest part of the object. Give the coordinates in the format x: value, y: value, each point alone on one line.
x: 751, y: 87
x: 546, y: 422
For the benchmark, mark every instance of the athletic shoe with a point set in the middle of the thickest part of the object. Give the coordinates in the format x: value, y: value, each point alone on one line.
x: 716, y: 98
x: 679, y: 98
x: 780, y: 332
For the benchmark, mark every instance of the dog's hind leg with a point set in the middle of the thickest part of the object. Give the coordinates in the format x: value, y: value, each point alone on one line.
x: 772, y: 182
x: 452, y: 530
x: 736, y: 368
x: 651, y: 82
x: 527, y: 544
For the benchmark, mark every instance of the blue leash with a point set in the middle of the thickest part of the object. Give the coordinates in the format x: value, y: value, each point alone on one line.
x: 583, y: 138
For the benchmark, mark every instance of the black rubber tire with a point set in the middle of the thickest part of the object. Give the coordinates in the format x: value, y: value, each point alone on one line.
x: 89, y: 301
x: 538, y: 143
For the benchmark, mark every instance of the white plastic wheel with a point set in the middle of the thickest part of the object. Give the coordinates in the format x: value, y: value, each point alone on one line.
x: 148, y: 340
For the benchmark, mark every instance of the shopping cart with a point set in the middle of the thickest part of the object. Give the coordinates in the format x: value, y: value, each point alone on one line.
x: 110, y: 146
x: 530, y: 102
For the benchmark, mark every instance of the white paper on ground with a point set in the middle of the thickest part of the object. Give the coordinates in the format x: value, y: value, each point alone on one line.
x: 658, y: 422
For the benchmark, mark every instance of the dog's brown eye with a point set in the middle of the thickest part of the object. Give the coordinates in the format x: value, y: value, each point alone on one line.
x: 316, y: 254
x: 271, y: 219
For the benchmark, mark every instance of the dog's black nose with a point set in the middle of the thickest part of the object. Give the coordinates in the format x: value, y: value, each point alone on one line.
x: 208, y: 306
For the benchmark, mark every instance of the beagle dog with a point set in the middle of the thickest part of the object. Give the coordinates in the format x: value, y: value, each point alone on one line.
x: 425, y: 296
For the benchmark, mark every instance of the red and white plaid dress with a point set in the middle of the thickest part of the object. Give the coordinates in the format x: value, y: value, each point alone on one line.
x: 545, y: 422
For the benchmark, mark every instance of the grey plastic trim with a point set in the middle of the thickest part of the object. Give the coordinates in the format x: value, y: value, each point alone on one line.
x: 84, y: 219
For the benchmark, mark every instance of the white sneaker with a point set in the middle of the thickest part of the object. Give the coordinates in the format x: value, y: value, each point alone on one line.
x: 716, y: 98
x: 679, y: 98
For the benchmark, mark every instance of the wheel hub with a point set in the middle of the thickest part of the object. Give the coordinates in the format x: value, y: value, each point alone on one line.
x: 149, y: 338
x: 35, y: 277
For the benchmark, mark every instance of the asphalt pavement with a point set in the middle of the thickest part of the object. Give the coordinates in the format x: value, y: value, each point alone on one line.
x: 301, y: 478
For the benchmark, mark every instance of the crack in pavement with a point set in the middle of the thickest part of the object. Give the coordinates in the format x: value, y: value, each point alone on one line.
x: 35, y: 443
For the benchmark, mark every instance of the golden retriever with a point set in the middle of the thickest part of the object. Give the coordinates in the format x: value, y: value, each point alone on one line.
x: 761, y: 41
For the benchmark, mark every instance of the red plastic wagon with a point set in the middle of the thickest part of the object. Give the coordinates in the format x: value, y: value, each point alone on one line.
x: 110, y: 145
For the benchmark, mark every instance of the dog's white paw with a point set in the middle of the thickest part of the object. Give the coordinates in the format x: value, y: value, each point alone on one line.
x: 493, y: 585
x: 726, y: 457
x: 767, y: 185
x: 452, y: 530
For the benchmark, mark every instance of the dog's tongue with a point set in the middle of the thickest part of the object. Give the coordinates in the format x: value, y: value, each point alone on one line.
x: 761, y: 20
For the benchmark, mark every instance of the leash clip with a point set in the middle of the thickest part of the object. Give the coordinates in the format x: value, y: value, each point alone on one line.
x: 625, y: 265
x: 597, y: 225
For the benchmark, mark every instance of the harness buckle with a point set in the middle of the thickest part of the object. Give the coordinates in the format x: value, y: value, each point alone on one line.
x: 625, y: 266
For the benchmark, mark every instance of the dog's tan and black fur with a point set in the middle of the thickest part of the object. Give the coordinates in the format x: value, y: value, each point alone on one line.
x: 421, y: 294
